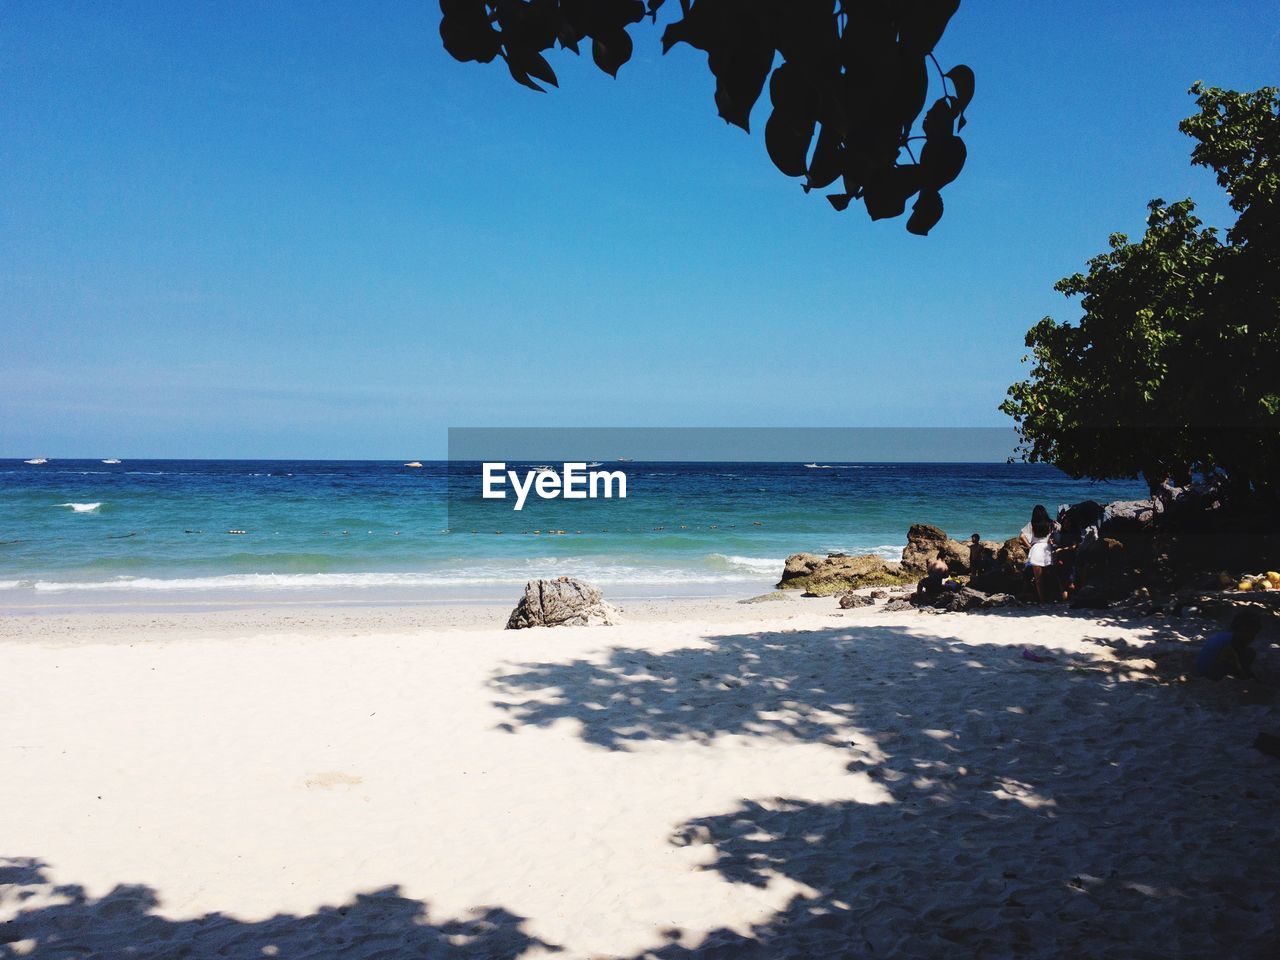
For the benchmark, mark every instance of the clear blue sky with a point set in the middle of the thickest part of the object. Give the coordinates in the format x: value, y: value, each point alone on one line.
x: 301, y: 229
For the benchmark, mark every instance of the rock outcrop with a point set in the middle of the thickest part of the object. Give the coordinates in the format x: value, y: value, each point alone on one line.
x: 561, y: 602
x: 837, y: 573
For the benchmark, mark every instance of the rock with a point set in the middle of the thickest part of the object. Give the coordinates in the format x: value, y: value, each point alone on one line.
x: 878, y: 594
x: 963, y: 600
x: 1000, y: 600
x: 893, y: 606
x: 1012, y: 554
x: 835, y: 573
x: 851, y: 600
x: 560, y: 602
x: 765, y: 597
x: 925, y: 542
x: 1128, y: 515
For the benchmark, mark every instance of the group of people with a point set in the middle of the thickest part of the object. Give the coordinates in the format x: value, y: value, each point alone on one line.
x: 1060, y: 552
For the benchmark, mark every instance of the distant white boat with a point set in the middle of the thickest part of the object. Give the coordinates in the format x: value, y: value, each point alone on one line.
x: 36, y: 461
x: 546, y: 469
x: 595, y: 464
x: 111, y: 460
x: 413, y: 463
x: 819, y: 466
x: 626, y: 459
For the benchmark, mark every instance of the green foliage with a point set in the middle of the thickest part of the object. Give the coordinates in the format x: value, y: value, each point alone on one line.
x: 1173, y: 366
x: 851, y: 84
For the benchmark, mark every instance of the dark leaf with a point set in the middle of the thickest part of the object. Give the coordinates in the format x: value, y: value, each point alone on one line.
x: 941, y: 161
x: 827, y: 162
x: 611, y: 51
x: 787, y: 139
x: 535, y: 65
x: 923, y: 22
x: 926, y: 213
x: 940, y: 120
x: 469, y: 38
x: 962, y: 79
x: 741, y: 63
x: 522, y: 78
x: 839, y: 200
x: 886, y: 195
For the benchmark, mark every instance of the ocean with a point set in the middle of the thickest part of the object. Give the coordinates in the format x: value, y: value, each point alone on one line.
x: 385, y: 532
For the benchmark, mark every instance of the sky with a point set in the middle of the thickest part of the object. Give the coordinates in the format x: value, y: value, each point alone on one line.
x: 302, y: 230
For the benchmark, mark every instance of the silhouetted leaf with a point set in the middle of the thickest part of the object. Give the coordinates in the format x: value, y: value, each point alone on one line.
x: 962, y: 79
x: 522, y: 78
x: 827, y: 162
x: 940, y: 120
x: 741, y: 63
x: 923, y: 22
x: 886, y: 195
x: 926, y: 213
x: 941, y: 161
x: 611, y: 52
x: 787, y: 139
x: 839, y: 200
x: 535, y: 65
x: 466, y: 32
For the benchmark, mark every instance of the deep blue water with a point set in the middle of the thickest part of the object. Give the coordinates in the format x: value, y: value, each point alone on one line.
x: 376, y: 528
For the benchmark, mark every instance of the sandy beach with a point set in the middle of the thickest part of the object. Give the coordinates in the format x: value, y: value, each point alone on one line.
x: 707, y: 779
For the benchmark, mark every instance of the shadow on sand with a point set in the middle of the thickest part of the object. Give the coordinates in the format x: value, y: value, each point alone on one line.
x: 1083, y: 806
x: 122, y: 924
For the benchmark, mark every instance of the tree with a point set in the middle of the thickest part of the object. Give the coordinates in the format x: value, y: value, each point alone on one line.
x: 851, y: 84
x: 1172, y: 368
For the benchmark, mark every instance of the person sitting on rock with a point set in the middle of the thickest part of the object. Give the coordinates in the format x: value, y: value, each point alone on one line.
x: 1230, y: 653
x: 935, y: 573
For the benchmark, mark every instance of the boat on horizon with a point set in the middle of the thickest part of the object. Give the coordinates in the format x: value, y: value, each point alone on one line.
x: 36, y: 461
x: 414, y: 463
x: 111, y: 460
x: 626, y: 459
x: 819, y: 466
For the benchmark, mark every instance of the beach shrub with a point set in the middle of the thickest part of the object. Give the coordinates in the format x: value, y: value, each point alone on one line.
x: 851, y: 85
x: 1171, y: 369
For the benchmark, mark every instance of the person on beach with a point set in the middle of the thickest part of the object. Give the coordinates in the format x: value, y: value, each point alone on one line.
x: 935, y: 573
x: 977, y: 556
x: 1038, y: 538
x: 1230, y: 653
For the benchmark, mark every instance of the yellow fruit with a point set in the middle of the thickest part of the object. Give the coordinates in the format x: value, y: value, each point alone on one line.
x: 1244, y: 585
x: 1262, y: 584
x: 1274, y: 577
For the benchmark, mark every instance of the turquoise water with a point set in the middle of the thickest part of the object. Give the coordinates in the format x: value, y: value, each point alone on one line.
x: 384, y: 530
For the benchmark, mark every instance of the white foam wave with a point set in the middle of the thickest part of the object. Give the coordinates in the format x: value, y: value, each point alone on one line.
x: 768, y: 565
x: 81, y: 507
x: 322, y: 582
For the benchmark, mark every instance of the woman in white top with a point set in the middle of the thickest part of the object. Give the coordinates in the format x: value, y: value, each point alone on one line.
x: 1038, y: 538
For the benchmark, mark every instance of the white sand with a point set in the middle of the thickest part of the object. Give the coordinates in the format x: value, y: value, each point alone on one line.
x: 707, y: 780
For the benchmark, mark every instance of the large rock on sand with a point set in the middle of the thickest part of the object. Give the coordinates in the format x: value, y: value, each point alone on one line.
x: 962, y: 600
x: 559, y: 603
x: 925, y: 542
x: 838, y: 573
